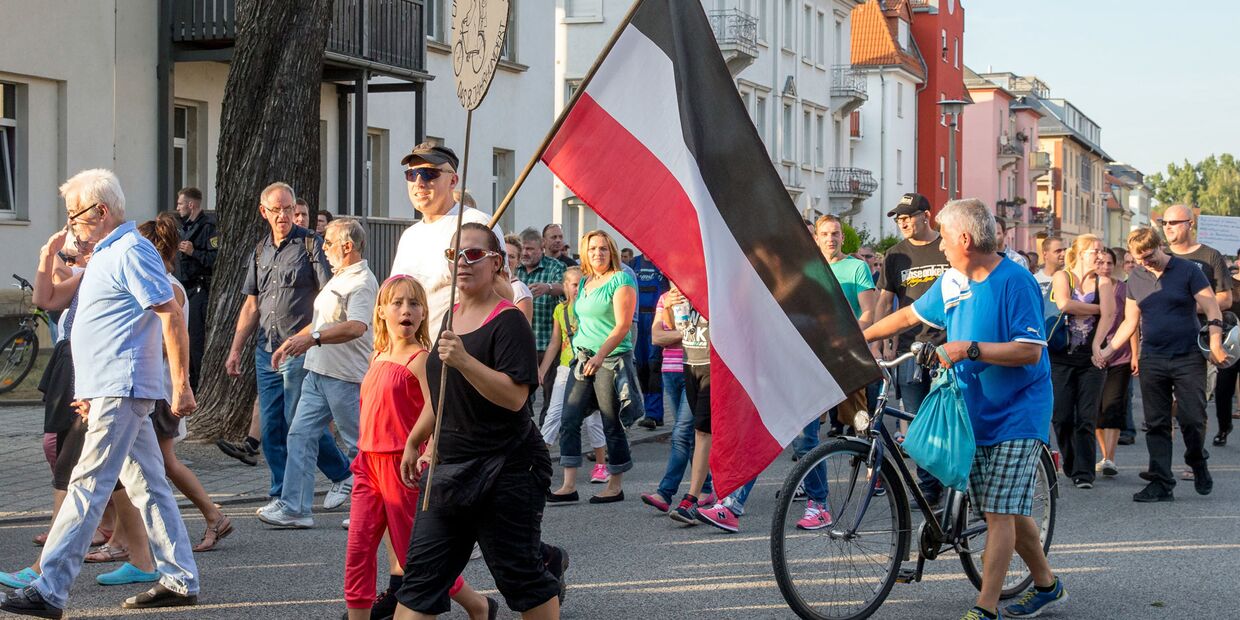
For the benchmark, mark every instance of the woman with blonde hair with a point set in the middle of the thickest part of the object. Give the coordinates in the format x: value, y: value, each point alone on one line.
x: 1087, y: 306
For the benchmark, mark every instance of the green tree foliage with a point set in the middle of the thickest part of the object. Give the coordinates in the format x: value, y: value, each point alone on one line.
x: 1213, y: 184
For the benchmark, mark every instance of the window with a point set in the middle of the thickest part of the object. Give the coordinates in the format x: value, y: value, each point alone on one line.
x: 583, y: 10
x: 854, y: 125
x: 786, y: 133
x: 840, y: 56
x: 185, y: 146
x: 807, y: 31
x: 900, y: 98
x: 943, y: 35
x: 570, y: 87
x: 789, y: 24
x: 435, y: 29
x: 806, y: 141
x: 838, y: 154
x: 820, y: 45
x: 942, y: 114
x: 899, y: 166
x: 761, y: 15
x: 376, y: 171
x: 942, y: 173
x: 902, y: 32
x: 8, y: 149
x: 759, y: 116
x: 502, y: 176
x: 957, y: 41
x: 509, y: 51
x: 820, y: 141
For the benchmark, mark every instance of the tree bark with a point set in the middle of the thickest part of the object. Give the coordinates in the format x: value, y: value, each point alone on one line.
x: 269, y: 131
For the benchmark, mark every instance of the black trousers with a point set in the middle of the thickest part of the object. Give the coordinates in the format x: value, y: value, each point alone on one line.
x: 1115, y: 397
x: 1224, y: 392
x: 197, y: 330
x: 1078, y: 392
x: 1184, y: 378
x: 548, y: 381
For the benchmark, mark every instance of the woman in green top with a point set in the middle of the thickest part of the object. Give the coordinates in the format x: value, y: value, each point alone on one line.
x: 605, y: 301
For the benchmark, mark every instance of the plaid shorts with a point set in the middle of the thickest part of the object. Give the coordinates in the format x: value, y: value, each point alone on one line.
x: 1002, y: 478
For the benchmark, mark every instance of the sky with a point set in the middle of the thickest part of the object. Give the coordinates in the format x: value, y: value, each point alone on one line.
x: 1157, y: 76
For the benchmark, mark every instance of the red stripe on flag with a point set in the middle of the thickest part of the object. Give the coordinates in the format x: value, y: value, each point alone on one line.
x: 612, y: 171
x: 741, y: 446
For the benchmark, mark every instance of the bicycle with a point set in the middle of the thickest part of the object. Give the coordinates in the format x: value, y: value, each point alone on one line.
x: 847, y: 569
x: 18, y: 353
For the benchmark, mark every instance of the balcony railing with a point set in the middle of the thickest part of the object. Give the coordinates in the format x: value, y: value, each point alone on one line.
x: 735, y: 30
x: 850, y: 182
x: 382, y: 32
x: 1039, y: 161
x: 1039, y: 215
x: 846, y: 82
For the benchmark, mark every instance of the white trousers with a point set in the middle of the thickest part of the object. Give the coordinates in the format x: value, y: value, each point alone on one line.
x: 555, y: 411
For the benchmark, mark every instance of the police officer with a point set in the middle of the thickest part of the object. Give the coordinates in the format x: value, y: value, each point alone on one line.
x: 196, y: 261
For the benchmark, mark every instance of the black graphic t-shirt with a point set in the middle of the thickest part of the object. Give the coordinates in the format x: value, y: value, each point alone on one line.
x: 1213, y: 265
x: 908, y: 271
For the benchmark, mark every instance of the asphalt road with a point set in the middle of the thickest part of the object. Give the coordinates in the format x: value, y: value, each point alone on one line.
x: 1118, y: 559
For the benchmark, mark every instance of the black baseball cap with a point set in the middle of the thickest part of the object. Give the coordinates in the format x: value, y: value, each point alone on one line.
x: 431, y: 153
x: 909, y: 204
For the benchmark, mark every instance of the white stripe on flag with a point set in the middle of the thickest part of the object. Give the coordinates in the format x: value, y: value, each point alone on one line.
x: 784, y: 378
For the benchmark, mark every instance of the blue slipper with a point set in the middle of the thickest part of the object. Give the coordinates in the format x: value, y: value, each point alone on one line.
x: 127, y: 573
x: 20, y: 579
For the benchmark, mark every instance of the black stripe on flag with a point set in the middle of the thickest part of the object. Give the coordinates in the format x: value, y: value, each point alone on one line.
x: 749, y: 194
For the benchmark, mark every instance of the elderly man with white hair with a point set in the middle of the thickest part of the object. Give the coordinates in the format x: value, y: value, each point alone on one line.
x: 991, y: 310
x: 126, y: 305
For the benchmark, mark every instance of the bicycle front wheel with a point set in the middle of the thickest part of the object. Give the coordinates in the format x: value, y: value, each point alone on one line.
x: 843, y: 568
x: 973, y: 545
x: 17, y: 358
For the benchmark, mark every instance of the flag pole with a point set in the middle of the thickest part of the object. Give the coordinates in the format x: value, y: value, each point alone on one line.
x: 559, y: 120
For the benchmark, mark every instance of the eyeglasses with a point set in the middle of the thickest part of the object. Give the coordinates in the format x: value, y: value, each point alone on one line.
x: 426, y: 174
x: 900, y: 219
x: 865, y: 256
x: 74, y: 216
x: 471, y: 255
x: 278, y: 210
x: 1166, y: 223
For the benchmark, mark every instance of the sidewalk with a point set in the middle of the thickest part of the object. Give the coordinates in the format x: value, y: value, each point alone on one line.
x: 28, y: 492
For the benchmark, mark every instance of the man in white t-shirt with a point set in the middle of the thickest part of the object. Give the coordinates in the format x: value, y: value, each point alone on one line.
x: 430, y: 176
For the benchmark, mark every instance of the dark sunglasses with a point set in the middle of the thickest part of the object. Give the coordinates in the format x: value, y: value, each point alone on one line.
x: 426, y: 174
x: 471, y: 255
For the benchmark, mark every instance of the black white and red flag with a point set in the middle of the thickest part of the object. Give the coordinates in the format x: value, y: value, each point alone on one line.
x: 660, y: 146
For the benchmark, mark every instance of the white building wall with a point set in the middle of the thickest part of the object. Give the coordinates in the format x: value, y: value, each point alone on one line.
x: 886, y: 135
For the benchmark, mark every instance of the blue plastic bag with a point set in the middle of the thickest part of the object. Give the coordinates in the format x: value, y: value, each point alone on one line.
x: 940, y: 437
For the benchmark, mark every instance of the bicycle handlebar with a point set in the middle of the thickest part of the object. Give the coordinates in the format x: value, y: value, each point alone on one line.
x: 913, y: 353
x: 22, y: 282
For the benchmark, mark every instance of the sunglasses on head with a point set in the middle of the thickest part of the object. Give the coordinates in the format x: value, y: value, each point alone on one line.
x: 426, y: 174
x: 471, y: 255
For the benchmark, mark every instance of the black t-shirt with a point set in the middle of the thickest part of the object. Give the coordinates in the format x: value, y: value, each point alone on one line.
x: 1168, y: 307
x: 473, y: 426
x: 908, y: 272
x: 1212, y: 264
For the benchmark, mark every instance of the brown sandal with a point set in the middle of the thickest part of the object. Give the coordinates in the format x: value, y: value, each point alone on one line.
x: 107, y: 553
x: 214, y: 534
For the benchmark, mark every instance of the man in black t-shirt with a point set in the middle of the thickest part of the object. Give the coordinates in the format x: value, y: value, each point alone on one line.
x: 1178, y: 223
x: 909, y: 269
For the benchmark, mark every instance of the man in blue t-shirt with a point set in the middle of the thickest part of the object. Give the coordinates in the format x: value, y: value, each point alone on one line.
x: 991, y: 310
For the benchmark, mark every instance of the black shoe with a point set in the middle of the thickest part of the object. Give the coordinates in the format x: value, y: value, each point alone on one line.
x: 646, y: 423
x: 1221, y: 438
x: 607, y: 499
x: 242, y: 451
x: 1153, y: 493
x: 590, y: 455
x: 160, y: 596
x: 557, y: 563
x: 384, y: 606
x: 492, y: 608
x: 1127, y: 440
x: 1083, y: 483
x: 28, y: 602
x: 558, y: 498
x: 1203, y: 482
x: 1146, y: 476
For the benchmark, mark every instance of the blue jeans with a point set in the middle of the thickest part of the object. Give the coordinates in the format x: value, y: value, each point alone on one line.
x: 310, y: 440
x: 582, y: 392
x: 676, y: 407
x: 912, y: 392
x: 815, y: 482
x: 278, y: 393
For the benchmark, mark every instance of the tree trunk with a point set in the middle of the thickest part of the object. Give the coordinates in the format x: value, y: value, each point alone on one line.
x: 269, y: 131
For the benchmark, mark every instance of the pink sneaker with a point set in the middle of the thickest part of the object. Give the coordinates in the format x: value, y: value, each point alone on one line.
x: 657, y: 501
x: 721, y: 517
x: 708, y: 500
x: 816, y: 516
x: 599, y: 474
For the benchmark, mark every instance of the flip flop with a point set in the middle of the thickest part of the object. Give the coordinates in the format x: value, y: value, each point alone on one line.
x: 217, y: 532
x: 107, y: 553
x: 127, y: 573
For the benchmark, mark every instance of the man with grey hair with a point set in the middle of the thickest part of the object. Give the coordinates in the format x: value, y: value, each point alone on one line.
x: 545, y: 277
x: 337, y: 346
x: 283, y: 277
x: 990, y: 308
x: 120, y: 375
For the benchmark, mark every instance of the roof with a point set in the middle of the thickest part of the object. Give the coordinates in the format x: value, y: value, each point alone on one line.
x: 1052, y: 124
x: 874, y: 37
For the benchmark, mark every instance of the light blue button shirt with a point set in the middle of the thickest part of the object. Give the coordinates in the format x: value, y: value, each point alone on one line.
x: 117, y: 342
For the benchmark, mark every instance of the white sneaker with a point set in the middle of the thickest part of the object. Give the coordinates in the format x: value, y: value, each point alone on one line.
x: 279, y: 517
x: 345, y: 524
x: 476, y: 553
x: 269, y: 506
x: 1109, y: 468
x: 338, y: 494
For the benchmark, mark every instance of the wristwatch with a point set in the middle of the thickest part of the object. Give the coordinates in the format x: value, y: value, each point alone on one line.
x: 974, y: 351
x: 317, y: 338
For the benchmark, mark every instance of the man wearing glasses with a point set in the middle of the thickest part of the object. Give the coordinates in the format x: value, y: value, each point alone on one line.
x: 283, y: 276
x: 1164, y: 294
x: 430, y: 176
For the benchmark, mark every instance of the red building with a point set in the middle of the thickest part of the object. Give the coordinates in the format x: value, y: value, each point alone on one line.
x: 938, y: 29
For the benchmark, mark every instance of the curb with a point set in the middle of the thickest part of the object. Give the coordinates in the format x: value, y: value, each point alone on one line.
x: 30, y: 402
x: 660, y: 434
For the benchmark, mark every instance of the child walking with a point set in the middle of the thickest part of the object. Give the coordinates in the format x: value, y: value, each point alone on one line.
x: 395, y: 413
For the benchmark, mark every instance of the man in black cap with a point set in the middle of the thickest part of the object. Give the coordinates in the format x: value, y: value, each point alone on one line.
x: 909, y: 269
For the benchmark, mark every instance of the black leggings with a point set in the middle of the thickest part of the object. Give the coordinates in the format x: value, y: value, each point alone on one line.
x: 69, y: 450
x: 1224, y: 392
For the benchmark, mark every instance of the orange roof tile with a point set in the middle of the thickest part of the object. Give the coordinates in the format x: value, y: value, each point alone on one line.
x: 874, y: 38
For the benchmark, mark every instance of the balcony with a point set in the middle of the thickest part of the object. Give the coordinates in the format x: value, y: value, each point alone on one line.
x: 1008, y: 153
x: 384, y: 36
x: 847, y: 188
x: 1039, y: 216
x: 1011, y: 210
x: 1039, y: 163
x: 848, y: 90
x: 737, y: 34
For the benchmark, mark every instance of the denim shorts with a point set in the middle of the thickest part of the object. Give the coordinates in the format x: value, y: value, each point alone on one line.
x: 1002, y: 478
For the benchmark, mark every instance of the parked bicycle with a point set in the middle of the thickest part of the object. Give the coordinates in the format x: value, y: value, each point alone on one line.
x: 847, y: 569
x: 18, y: 353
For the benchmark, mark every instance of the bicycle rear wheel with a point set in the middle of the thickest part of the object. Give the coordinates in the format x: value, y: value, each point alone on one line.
x: 1045, y: 498
x: 17, y: 358
x: 829, y: 573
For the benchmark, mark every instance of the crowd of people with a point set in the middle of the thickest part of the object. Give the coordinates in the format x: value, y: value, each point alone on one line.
x: 539, y: 347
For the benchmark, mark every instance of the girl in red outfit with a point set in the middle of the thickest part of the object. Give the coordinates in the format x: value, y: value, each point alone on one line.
x: 396, y: 412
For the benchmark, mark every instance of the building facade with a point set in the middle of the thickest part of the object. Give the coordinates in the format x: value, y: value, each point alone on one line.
x: 938, y: 28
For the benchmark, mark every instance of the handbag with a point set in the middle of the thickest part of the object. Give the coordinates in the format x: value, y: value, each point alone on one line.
x: 1056, y: 327
x: 940, y: 437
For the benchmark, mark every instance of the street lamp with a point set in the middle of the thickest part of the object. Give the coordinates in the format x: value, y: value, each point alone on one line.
x: 952, y: 108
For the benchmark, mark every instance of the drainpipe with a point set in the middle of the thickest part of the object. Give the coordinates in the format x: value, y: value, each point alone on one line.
x: 882, y: 152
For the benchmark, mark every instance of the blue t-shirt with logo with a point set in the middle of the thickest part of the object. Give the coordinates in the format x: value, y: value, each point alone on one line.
x: 1005, y: 403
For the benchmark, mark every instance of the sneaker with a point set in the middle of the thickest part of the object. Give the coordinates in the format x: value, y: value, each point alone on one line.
x: 657, y: 501
x: 721, y: 517
x: 384, y: 605
x: 1203, y: 482
x: 646, y: 423
x: 816, y: 516
x: 1082, y: 483
x: 1033, y: 602
x: 338, y: 494
x: 127, y: 573
x: 345, y: 523
x: 686, y: 512
x: 977, y: 613
x: 269, y: 506
x: 240, y: 451
x: 557, y: 562
x: 599, y: 475
x: 1153, y: 492
x: 280, y: 517
x: 1109, y: 468
x: 476, y: 553
x: 1127, y: 440
x: 708, y: 500
x: 20, y: 579
x: 799, y: 494
x: 28, y: 602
